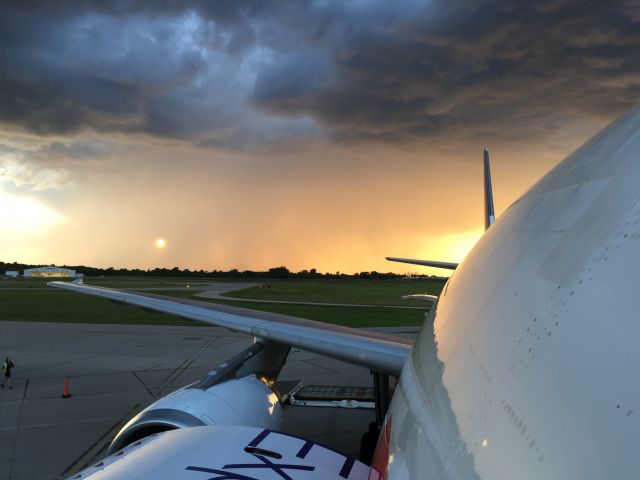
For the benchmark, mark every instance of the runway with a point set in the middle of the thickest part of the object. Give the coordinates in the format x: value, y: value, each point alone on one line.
x: 115, y: 371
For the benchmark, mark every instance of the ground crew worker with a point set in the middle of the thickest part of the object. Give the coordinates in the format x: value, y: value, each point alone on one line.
x: 368, y: 443
x: 6, y: 370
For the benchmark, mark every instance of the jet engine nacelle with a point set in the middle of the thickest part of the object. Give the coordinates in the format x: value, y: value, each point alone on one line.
x: 244, y: 401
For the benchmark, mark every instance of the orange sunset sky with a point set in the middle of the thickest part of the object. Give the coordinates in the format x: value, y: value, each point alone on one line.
x: 312, y: 135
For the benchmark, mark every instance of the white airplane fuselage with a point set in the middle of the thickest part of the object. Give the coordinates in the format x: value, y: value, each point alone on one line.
x: 529, y: 367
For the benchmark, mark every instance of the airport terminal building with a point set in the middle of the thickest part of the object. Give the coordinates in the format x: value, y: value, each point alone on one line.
x: 49, y: 272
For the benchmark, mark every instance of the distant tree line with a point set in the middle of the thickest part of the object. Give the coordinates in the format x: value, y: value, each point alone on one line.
x: 276, y: 272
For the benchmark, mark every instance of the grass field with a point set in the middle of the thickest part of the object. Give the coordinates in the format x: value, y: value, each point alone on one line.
x: 32, y: 300
x: 54, y: 305
x: 366, y: 292
x: 349, y: 316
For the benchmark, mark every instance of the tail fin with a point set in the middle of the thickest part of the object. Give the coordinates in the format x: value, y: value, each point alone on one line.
x: 489, y: 218
x: 489, y: 213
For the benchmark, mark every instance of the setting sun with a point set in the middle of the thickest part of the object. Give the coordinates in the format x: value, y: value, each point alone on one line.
x: 160, y: 243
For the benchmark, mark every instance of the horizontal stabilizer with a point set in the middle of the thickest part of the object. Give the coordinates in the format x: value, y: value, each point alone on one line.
x: 425, y: 263
x: 421, y: 296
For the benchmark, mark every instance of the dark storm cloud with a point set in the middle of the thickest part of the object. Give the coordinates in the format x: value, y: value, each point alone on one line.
x: 245, y: 73
x: 476, y: 67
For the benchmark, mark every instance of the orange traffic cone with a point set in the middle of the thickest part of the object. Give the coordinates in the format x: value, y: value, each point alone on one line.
x: 66, y: 393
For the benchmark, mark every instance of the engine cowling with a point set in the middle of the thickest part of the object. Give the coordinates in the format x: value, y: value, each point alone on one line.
x: 245, y: 401
x: 226, y: 453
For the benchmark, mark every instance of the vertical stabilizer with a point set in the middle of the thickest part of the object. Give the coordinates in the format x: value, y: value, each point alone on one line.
x: 489, y: 214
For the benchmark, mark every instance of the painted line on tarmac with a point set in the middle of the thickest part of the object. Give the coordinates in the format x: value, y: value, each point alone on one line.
x: 175, y: 373
x: 182, y: 370
x: 172, y: 373
x: 92, y: 453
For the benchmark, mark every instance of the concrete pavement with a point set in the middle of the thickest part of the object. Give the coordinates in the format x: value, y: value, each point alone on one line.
x: 115, y: 371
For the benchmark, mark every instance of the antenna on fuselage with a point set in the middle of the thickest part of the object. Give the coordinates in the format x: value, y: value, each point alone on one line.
x: 489, y: 213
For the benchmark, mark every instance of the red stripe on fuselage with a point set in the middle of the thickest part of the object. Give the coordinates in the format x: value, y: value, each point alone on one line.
x: 380, y: 463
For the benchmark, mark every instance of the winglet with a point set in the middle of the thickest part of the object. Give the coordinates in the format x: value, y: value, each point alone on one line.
x: 489, y: 213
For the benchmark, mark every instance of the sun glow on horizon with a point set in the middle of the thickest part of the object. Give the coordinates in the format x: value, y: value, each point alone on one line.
x: 22, y: 215
x: 460, y: 244
x: 160, y: 243
x: 450, y: 247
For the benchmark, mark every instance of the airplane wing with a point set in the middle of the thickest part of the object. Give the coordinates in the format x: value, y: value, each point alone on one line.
x: 426, y: 263
x: 378, y: 352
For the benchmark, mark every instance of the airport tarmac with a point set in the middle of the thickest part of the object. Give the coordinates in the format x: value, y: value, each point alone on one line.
x: 115, y: 371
